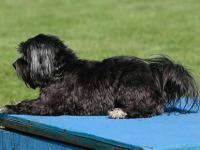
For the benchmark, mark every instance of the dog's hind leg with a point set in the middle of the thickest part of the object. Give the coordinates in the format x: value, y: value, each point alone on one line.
x: 143, y: 111
x: 139, y: 102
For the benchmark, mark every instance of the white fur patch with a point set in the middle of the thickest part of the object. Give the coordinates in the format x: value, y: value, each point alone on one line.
x: 3, y: 109
x: 117, y: 113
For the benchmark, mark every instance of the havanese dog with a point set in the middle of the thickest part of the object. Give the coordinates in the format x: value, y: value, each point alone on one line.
x: 122, y: 87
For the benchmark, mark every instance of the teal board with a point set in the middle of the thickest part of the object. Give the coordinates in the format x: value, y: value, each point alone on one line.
x: 10, y: 140
x: 82, y: 139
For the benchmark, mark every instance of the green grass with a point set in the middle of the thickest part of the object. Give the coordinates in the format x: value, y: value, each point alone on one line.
x: 99, y: 29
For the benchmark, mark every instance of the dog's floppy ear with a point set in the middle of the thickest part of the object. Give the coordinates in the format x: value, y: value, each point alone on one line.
x: 42, y: 63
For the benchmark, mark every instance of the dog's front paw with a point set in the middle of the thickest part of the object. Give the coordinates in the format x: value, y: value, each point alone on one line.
x: 117, y: 113
x: 3, y: 110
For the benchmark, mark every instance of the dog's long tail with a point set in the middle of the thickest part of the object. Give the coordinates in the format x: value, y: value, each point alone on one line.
x: 177, y: 85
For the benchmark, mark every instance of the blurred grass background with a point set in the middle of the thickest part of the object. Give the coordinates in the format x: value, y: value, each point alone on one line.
x: 99, y: 29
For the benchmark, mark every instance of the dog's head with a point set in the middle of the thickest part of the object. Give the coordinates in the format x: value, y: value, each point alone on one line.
x: 42, y: 56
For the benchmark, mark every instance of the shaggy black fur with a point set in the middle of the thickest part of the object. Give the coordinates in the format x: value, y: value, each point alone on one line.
x: 68, y: 85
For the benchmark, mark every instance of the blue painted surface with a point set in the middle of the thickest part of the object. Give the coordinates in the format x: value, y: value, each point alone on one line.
x: 165, y: 132
x: 17, y: 141
x: 174, y: 131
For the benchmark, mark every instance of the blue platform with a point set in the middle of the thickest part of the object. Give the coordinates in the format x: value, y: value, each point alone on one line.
x: 165, y: 132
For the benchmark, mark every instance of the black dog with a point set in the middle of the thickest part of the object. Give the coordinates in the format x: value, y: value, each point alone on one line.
x: 125, y: 86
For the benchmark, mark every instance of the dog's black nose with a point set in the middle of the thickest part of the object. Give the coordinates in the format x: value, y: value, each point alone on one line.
x: 14, y: 65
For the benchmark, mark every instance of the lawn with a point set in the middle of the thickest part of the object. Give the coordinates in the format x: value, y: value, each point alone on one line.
x: 99, y: 29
